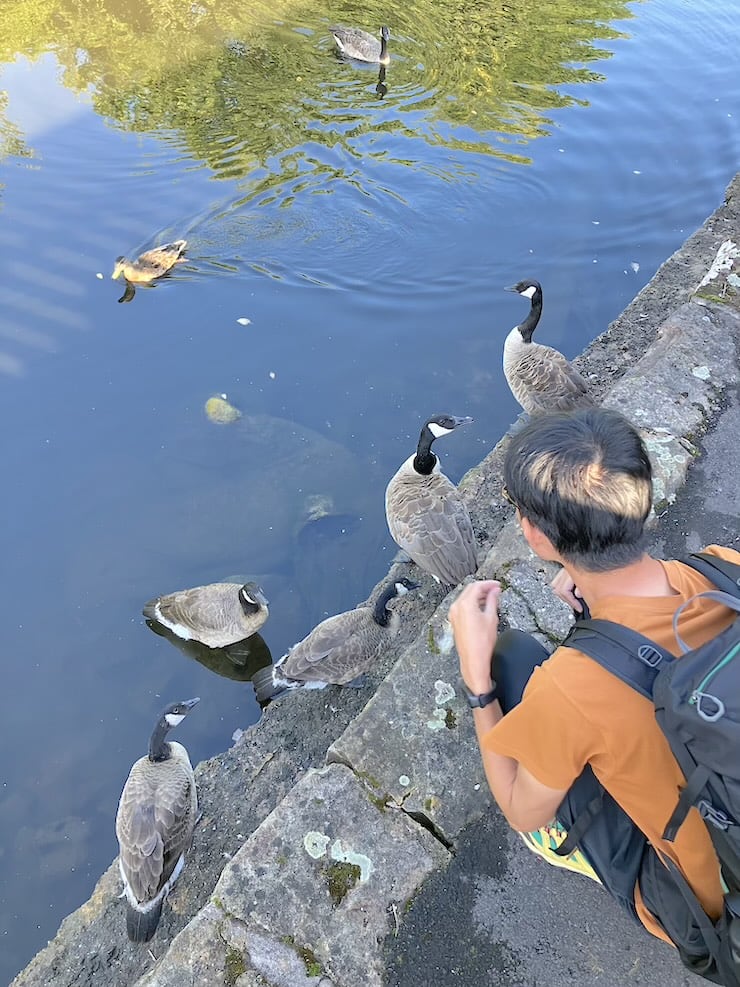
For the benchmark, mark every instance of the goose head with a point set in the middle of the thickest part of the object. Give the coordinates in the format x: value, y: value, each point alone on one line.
x: 394, y: 589
x: 434, y: 428
x: 531, y: 289
x: 384, y: 57
x: 252, y: 598
x: 118, y: 269
x: 170, y: 717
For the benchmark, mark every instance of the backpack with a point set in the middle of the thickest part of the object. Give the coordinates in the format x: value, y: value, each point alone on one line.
x: 697, y: 706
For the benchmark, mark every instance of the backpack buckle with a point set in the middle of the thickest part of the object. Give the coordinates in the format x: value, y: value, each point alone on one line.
x: 710, y: 708
x: 716, y: 817
x: 650, y: 655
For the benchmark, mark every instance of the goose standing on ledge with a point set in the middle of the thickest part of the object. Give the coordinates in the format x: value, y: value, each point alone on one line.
x: 540, y: 377
x: 154, y: 824
x: 216, y: 615
x: 361, y: 46
x: 426, y: 515
x: 152, y: 264
x: 337, y: 650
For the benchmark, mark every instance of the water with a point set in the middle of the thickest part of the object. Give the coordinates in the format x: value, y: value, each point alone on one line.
x: 366, y: 239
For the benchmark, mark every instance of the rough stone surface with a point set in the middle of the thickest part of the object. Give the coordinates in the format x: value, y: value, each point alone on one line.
x: 323, y: 875
x: 414, y: 742
x: 474, y: 921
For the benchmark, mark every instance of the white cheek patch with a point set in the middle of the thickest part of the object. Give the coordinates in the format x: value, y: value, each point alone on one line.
x: 438, y: 430
x: 401, y: 590
x: 528, y: 292
x: 174, y: 718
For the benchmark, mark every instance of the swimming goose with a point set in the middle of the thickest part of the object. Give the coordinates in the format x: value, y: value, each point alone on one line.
x: 216, y: 615
x: 426, y: 515
x: 337, y: 650
x: 154, y: 824
x: 540, y: 377
x: 151, y: 264
x: 361, y: 46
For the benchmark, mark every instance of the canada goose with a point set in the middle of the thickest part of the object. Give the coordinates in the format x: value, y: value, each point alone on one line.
x: 337, y: 650
x: 216, y: 615
x: 151, y: 264
x: 361, y: 46
x: 154, y: 824
x: 540, y: 377
x: 426, y: 515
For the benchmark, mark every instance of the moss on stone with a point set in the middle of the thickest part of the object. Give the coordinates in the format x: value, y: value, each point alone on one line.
x: 450, y: 720
x: 431, y: 641
x: 379, y: 801
x: 341, y: 877
x: 234, y: 966
x: 313, y: 967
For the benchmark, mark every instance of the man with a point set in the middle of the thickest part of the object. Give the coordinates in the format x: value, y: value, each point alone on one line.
x: 559, y: 728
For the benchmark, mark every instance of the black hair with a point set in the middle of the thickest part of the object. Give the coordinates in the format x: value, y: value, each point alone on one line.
x: 584, y: 479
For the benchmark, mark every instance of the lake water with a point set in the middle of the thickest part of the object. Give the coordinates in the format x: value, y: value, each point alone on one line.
x: 365, y: 228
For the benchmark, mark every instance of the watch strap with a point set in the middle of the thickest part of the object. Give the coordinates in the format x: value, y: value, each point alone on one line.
x: 483, y: 699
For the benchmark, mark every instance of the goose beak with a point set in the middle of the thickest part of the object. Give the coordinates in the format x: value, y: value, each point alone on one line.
x: 260, y: 597
x: 461, y: 421
x: 511, y: 287
x: 191, y: 703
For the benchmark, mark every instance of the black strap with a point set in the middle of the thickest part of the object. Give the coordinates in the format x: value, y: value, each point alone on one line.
x: 687, y: 798
x: 631, y: 656
x: 723, y: 574
x: 580, y: 825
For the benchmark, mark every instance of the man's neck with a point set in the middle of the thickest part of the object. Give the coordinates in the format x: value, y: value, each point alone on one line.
x: 643, y: 578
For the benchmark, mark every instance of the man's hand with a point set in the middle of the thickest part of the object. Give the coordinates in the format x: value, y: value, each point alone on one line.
x: 474, y: 619
x: 565, y: 588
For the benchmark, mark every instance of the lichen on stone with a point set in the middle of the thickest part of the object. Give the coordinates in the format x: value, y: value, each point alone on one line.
x: 315, y: 844
x: 443, y: 692
x: 343, y: 854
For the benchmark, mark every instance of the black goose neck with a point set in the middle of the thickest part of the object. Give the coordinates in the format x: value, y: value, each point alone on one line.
x: 425, y: 460
x: 159, y: 749
x: 383, y: 46
x: 529, y: 325
x: 381, y: 614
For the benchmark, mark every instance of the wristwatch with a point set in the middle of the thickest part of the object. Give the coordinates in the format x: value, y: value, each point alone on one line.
x: 481, y: 700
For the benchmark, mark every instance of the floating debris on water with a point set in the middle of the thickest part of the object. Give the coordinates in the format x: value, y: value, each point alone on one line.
x: 635, y: 266
x: 99, y: 276
x: 272, y: 375
x: 221, y: 411
x: 244, y: 321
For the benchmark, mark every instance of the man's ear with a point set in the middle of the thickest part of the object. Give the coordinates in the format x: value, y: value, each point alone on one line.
x: 538, y: 541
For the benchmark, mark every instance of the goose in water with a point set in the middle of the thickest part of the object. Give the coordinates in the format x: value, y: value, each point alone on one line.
x: 152, y: 264
x: 337, y: 650
x: 216, y: 615
x: 154, y: 824
x: 361, y: 46
x: 426, y: 515
x: 540, y: 377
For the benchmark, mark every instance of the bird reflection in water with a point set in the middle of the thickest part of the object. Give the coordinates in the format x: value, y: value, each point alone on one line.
x: 381, y: 89
x: 237, y: 661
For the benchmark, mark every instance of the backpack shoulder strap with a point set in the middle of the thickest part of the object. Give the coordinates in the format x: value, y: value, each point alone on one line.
x: 723, y: 574
x: 629, y: 655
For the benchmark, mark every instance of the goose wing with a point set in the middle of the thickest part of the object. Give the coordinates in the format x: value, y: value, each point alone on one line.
x: 154, y: 824
x: 336, y: 651
x: 356, y: 43
x: 429, y: 519
x: 549, y: 381
x: 211, y: 614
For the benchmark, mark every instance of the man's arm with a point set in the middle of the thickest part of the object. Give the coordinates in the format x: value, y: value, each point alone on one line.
x: 526, y: 802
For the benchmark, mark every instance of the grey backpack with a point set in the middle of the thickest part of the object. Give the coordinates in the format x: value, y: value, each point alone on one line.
x: 697, y: 706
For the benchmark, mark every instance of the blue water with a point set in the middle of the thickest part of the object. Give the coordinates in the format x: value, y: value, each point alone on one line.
x: 367, y: 240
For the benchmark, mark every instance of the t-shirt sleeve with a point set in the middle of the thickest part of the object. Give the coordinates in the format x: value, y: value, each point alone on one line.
x: 728, y: 554
x: 545, y: 732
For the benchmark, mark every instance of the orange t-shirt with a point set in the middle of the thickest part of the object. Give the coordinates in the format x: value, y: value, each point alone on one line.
x: 574, y: 713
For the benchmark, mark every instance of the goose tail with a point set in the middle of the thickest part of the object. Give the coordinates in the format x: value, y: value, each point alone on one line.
x: 268, y: 686
x: 141, y: 925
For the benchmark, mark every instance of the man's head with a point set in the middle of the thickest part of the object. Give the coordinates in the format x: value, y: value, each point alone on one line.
x: 583, y: 479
